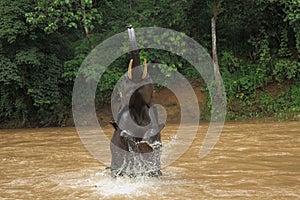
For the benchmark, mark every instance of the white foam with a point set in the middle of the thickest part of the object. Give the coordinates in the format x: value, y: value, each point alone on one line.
x: 101, y: 184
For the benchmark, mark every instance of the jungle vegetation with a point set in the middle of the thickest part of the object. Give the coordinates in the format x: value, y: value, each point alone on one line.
x: 43, y: 43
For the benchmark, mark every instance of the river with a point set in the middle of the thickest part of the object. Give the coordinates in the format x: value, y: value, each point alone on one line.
x: 249, y: 161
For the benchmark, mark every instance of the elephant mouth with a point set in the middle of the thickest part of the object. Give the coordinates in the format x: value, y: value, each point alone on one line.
x: 139, y: 146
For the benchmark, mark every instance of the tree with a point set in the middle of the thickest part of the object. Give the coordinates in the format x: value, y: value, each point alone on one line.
x: 43, y: 43
x: 214, y: 43
x: 30, y: 68
x: 58, y: 14
x: 292, y: 11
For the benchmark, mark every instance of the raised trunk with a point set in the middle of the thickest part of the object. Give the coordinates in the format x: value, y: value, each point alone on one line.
x: 135, y: 56
x: 134, y: 52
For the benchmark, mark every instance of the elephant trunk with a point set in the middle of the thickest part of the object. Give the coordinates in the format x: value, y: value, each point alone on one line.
x: 137, y: 74
x: 134, y: 51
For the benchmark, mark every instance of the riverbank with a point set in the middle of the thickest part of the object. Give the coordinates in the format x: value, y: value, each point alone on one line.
x: 264, y: 109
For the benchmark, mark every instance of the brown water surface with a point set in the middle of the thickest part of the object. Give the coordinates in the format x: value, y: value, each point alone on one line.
x: 250, y: 161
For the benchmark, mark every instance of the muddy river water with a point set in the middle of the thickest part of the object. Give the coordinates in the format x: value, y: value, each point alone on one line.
x: 249, y: 161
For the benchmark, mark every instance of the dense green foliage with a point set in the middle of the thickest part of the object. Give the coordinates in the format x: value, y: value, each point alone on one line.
x: 43, y: 43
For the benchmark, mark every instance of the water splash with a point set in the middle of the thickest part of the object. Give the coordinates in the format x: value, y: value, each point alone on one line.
x: 142, y: 157
x: 139, y: 186
x: 100, y: 184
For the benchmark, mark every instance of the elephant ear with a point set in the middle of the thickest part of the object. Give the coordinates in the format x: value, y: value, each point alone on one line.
x: 161, y: 126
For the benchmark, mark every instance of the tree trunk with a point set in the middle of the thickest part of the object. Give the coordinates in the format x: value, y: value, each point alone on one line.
x: 214, y: 43
x: 86, y: 29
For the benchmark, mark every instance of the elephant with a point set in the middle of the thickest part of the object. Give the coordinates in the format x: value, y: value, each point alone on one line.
x: 136, y: 142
